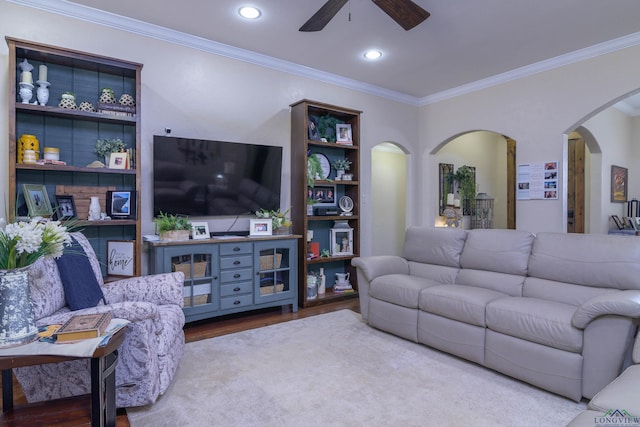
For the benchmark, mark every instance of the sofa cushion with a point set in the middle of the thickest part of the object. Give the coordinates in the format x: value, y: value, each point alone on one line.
x: 540, y: 321
x: 503, y: 251
x: 458, y: 302
x: 621, y: 393
x: 431, y: 245
x: 399, y: 289
x: 605, y: 261
x: 509, y: 284
x: 439, y: 273
x: 567, y: 293
x: 81, y: 288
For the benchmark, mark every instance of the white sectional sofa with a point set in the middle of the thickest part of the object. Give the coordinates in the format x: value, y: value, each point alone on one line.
x: 559, y: 311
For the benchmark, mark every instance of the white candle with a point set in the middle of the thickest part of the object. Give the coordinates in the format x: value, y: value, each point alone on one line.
x: 449, y: 199
x: 26, y: 77
x: 42, y: 75
x: 456, y: 203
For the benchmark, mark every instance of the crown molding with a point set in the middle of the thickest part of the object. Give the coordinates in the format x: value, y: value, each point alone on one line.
x: 76, y: 11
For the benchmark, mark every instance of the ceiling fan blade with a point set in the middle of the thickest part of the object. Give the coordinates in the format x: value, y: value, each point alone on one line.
x: 322, y: 17
x: 404, y: 12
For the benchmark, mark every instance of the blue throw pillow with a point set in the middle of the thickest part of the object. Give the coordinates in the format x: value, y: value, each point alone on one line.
x: 81, y: 288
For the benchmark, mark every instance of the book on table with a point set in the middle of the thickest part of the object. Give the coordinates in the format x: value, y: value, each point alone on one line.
x: 83, y: 326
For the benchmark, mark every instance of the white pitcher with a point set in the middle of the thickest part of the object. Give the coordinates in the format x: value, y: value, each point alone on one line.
x: 342, y: 277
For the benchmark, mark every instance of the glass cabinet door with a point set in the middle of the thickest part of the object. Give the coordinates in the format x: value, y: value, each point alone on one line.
x: 275, y: 270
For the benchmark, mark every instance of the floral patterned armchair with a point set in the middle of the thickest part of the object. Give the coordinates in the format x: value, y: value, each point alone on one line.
x: 153, y: 344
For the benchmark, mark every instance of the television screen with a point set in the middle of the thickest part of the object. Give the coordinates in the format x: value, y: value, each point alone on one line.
x: 214, y: 178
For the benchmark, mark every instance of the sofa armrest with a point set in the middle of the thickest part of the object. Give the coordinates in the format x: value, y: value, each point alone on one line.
x: 380, y: 265
x: 165, y: 288
x: 623, y: 303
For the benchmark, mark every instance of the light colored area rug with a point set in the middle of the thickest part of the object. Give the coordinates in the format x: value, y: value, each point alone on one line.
x: 334, y: 370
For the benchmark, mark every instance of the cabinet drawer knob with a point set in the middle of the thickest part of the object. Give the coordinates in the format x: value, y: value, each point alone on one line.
x: 236, y: 249
x: 235, y: 276
x: 236, y: 262
x: 236, y: 302
x: 236, y: 289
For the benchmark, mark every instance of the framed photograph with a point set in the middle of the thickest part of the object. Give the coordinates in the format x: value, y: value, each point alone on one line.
x: 66, y: 207
x: 122, y: 204
x: 618, y: 222
x: 119, y: 161
x: 200, y: 230
x: 260, y: 227
x: 619, y: 184
x: 37, y: 200
x: 121, y: 257
x: 323, y: 195
x: 343, y: 134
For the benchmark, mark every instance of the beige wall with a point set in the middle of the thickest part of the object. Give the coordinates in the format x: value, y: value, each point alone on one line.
x: 536, y: 111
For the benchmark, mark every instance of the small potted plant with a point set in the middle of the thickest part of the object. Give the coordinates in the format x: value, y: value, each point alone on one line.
x: 68, y: 100
x: 106, y: 146
x: 314, y: 169
x: 279, y: 220
x: 172, y: 228
x: 341, y: 165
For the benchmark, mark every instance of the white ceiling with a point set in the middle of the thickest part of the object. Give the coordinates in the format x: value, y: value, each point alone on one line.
x: 464, y: 42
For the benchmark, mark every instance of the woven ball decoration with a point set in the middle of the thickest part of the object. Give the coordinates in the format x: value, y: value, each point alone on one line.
x: 107, y: 97
x: 86, y: 106
x: 67, y: 103
x: 127, y: 100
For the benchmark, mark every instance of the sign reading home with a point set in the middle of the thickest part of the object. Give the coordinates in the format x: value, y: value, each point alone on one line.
x: 120, y: 257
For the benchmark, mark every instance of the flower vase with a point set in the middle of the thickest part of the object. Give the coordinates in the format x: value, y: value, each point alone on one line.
x: 94, y: 209
x: 42, y: 93
x: 17, y: 320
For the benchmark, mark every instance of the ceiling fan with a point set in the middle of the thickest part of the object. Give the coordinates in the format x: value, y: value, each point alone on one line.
x: 404, y: 12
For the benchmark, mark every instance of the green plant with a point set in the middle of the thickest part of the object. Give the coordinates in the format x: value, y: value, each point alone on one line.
x: 109, y: 91
x: 167, y: 222
x: 465, y: 177
x: 278, y: 219
x: 314, y: 168
x: 341, y: 164
x: 106, y: 146
x: 327, y: 127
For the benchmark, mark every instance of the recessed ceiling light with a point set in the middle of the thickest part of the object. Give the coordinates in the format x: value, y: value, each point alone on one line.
x: 249, y: 12
x: 373, y: 54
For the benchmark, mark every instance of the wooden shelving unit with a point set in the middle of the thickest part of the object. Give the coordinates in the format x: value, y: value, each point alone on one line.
x: 75, y: 133
x: 301, y: 145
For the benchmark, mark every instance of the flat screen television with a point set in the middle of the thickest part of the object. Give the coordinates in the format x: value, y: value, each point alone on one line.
x: 199, y: 177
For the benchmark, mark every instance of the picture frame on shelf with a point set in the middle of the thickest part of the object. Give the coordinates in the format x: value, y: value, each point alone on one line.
x: 121, y: 204
x: 200, y: 230
x: 121, y: 258
x: 37, y: 199
x: 343, y: 134
x: 119, y: 161
x: 341, y: 241
x: 66, y: 207
x: 322, y: 195
x: 619, y: 184
x: 260, y: 227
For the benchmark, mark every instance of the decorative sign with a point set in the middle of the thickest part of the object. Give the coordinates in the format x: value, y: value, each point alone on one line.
x: 120, y: 257
x: 537, y: 181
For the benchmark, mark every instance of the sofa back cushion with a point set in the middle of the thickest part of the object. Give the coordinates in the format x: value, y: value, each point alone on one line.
x: 431, y: 245
x: 510, y: 284
x: 566, y: 293
x: 439, y: 273
x: 502, y: 251
x: 598, y: 260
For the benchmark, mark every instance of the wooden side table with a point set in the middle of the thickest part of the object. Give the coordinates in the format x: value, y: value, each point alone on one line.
x: 103, y: 380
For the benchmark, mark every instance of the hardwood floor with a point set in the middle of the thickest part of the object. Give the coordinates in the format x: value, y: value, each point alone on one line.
x: 73, y: 412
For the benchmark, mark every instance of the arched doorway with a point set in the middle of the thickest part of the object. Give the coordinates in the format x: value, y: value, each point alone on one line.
x: 388, y: 198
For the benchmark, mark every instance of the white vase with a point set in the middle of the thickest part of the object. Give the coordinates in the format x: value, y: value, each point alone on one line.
x: 94, y: 209
x: 42, y: 93
x: 17, y: 320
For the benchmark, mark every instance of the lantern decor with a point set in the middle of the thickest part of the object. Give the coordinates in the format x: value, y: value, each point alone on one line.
x: 483, y: 217
x: 341, y: 239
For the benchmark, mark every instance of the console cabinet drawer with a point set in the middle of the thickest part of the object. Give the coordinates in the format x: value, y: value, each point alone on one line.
x: 236, y: 301
x: 241, y: 261
x: 236, y: 248
x: 236, y: 289
x: 236, y: 275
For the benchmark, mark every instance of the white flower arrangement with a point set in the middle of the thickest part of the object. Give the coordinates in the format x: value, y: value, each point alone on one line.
x: 23, y: 242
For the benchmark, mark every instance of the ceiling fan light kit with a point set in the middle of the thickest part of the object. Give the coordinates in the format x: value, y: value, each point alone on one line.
x: 405, y: 12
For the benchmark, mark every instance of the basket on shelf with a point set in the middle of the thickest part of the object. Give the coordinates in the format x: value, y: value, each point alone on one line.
x: 199, y: 268
x: 266, y: 290
x: 266, y: 262
x: 197, y: 300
